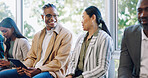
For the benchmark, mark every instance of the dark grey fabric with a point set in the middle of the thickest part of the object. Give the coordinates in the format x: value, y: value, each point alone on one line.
x: 130, y: 55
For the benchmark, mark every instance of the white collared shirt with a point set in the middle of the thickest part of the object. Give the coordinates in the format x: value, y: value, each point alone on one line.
x: 144, y: 56
x: 44, y: 47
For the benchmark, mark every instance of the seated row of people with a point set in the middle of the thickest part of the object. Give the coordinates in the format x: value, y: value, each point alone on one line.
x: 51, y: 47
x: 50, y: 57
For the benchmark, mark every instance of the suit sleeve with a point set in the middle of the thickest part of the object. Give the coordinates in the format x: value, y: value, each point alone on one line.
x: 126, y: 64
x: 31, y: 55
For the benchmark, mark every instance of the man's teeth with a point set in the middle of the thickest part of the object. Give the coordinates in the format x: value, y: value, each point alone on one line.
x: 51, y: 22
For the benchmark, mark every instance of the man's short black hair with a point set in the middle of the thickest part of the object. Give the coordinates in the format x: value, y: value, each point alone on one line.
x: 48, y: 5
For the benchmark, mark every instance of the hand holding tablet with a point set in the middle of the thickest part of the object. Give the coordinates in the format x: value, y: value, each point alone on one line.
x: 18, y: 63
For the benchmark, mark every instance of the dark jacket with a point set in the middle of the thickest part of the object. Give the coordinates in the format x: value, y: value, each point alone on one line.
x: 130, y: 55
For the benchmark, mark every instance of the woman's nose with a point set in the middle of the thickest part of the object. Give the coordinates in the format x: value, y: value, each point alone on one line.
x: 4, y: 34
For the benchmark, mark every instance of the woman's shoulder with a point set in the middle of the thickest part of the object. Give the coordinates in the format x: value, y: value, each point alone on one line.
x: 81, y: 36
x: 22, y: 40
x: 103, y: 35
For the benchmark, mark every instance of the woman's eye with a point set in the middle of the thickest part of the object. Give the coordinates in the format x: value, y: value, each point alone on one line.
x: 4, y: 31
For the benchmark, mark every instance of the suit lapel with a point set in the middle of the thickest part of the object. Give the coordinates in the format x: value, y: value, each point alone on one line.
x: 134, y: 44
x: 91, y: 44
x: 137, y: 49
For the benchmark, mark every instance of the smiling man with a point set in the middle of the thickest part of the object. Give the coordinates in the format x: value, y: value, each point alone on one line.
x: 134, y: 47
x: 50, y: 48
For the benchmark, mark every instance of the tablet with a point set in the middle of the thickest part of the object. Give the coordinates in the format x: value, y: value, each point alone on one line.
x: 17, y: 63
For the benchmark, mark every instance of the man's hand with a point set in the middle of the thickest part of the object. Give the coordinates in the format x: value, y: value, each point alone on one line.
x: 32, y: 71
x: 20, y: 71
x: 4, y: 63
x: 69, y: 76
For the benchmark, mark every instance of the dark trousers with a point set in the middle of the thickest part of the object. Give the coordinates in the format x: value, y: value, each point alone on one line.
x: 78, y: 73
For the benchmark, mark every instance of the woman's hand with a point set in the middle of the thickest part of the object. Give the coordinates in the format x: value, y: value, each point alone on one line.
x: 32, y: 71
x: 4, y: 63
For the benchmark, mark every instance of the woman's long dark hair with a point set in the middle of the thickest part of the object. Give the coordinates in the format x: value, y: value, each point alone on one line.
x: 94, y: 10
x: 9, y: 23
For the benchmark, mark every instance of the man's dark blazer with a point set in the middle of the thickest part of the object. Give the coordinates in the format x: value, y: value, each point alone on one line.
x: 130, y: 55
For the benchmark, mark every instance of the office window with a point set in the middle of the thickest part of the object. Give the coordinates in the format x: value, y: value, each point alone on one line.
x: 126, y: 17
x: 8, y: 9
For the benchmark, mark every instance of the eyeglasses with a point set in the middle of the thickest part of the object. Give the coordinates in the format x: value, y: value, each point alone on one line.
x: 49, y: 16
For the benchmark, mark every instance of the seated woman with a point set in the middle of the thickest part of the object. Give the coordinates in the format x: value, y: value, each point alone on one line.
x: 92, y: 54
x: 1, y: 47
x: 16, y: 44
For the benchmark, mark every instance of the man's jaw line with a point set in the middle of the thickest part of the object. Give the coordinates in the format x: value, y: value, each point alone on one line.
x: 49, y: 27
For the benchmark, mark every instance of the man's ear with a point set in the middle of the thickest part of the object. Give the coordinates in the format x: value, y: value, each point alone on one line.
x: 42, y: 17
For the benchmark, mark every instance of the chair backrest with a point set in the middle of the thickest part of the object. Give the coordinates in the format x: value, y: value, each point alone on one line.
x: 111, y: 71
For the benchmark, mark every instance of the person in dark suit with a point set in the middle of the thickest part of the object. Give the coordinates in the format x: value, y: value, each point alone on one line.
x: 134, y: 47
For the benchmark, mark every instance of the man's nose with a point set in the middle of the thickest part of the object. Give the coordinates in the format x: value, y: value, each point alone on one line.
x: 52, y: 18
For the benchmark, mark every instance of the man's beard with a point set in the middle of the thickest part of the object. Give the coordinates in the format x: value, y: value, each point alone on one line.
x: 55, y: 24
x: 145, y: 26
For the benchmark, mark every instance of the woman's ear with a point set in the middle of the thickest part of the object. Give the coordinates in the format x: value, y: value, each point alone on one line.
x: 12, y: 29
x: 93, y: 17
